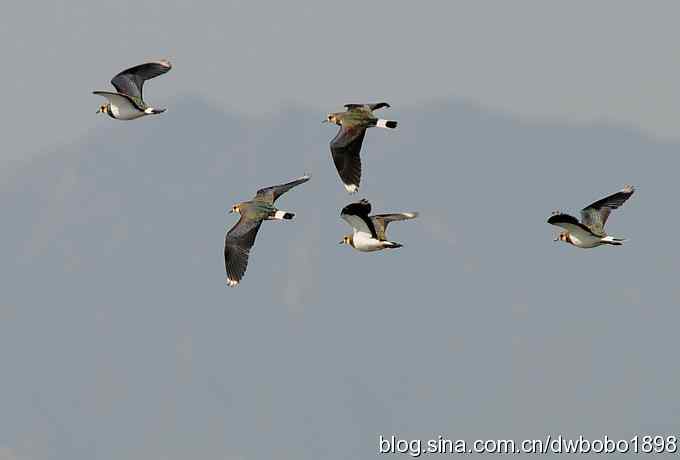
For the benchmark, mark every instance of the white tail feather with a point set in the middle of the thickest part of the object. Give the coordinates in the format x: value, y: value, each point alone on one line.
x: 611, y: 239
x: 386, y: 124
x: 281, y: 215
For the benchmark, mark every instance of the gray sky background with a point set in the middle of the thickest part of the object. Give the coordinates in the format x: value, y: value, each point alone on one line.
x: 119, y: 338
x: 610, y: 60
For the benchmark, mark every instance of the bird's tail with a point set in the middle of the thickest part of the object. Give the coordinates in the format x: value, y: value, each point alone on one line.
x: 154, y: 111
x: 390, y: 124
x: 391, y: 245
x: 280, y: 215
x: 613, y: 241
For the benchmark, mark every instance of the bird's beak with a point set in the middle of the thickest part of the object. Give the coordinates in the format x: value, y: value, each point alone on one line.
x: 342, y: 242
x: 325, y: 121
x: 99, y: 110
x: 556, y: 239
x: 230, y: 211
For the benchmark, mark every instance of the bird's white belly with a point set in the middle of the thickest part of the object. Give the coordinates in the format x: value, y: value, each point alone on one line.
x: 585, y: 240
x: 126, y: 111
x: 366, y: 243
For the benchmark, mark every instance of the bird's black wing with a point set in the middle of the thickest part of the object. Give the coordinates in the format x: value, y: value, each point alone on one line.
x: 345, y: 149
x: 379, y: 105
x: 237, y: 246
x: 270, y: 194
x: 356, y: 214
x: 370, y: 107
x: 356, y: 106
x: 595, y: 216
x: 569, y: 223
x: 131, y: 81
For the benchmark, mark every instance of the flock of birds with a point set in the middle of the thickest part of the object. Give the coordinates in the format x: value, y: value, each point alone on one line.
x: 369, y: 231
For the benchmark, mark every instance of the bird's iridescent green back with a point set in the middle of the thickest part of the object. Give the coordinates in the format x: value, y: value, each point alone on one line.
x: 256, y: 210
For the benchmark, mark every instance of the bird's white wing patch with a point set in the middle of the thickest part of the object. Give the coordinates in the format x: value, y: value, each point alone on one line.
x: 571, y: 228
x: 114, y: 99
x: 121, y: 106
x: 351, y: 188
x: 357, y: 223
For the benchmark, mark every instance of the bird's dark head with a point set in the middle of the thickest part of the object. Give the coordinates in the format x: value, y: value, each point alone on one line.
x: 332, y: 118
x: 104, y: 108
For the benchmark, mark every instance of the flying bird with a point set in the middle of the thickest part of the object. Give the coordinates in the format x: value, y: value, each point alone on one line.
x: 241, y: 237
x: 346, y: 145
x: 369, y: 231
x: 590, y: 233
x: 128, y: 103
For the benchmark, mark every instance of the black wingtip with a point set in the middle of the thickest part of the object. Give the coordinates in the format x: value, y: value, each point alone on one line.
x: 358, y: 208
x: 391, y: 124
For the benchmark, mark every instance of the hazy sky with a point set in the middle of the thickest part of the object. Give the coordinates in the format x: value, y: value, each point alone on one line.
x: 118, y: 336
x: 120, y: 339
x: 580, y: 60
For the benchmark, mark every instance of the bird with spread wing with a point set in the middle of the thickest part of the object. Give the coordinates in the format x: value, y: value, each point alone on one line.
x: 127, y: 103
x: 370, y: 232
x: 241, y: 238
x: 589, y: 232
x: 346, y: 145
